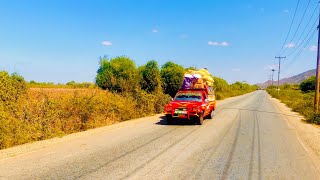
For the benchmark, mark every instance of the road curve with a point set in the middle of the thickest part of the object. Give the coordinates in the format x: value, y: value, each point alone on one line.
x: 247, y: 138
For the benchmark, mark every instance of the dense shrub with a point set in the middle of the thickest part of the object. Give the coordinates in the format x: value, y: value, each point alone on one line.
x: 224, y: 90
x: 47, y: 113
x: 308, y: 84
x: 297, y: 100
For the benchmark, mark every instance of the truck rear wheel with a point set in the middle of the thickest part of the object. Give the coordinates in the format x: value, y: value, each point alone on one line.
x: 200, y: 119
x: 169, y: 119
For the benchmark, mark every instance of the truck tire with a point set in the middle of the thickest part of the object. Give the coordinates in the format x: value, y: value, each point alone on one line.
x: 169, y: 119
x: 200, y: 119
x: 209, y: 116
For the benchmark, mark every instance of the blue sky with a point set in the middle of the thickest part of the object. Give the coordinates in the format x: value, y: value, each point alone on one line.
x: 62, y: 40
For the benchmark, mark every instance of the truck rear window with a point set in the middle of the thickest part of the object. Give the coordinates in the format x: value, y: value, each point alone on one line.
x: 196, y: 97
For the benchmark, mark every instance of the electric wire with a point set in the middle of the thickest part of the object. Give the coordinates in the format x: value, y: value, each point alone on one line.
x: 304, y: 30
x: 297, y: 29
x: 294, y: 16
x: 300, y: 52
x: 305, y: 38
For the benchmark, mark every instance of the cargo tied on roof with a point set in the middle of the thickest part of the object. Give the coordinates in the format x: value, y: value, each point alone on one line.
x: 198, y: 79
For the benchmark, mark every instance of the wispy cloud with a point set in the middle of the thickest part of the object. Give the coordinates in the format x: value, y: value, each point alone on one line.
x: 106, y: 43
x: 313, y: 48
x: 290, y: 45
x: 215, y: 43
x: 286, y: 11
x: 155, y: 30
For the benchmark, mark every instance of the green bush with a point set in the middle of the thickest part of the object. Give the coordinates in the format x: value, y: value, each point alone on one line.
x: 224, y: 90
x: 297, y: 100
x: 308, y: 84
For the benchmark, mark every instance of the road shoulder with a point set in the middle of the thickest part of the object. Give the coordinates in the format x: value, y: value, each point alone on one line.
x: 307, y: 134
x: 37, y: 145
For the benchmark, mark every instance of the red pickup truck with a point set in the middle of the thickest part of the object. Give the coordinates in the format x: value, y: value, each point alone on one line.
x: 193, y: 105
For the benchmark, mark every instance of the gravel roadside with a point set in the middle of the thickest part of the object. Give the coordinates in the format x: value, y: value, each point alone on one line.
x: 308, y: 134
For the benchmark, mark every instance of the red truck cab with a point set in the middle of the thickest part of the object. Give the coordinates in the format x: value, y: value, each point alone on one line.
x: 192, y: 105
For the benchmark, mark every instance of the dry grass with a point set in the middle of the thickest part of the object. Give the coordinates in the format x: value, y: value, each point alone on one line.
x: 45, y: 113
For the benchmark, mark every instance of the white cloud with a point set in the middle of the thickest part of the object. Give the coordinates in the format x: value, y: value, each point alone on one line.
x: 286, y: 11
x: 106, y: 43
x: 155, y: 30
x: 290, y: 45
x: 224, y: 43
x: 313, y: 48
x: 235, y: 69
x: 271, y: 66
x: 214, y: 43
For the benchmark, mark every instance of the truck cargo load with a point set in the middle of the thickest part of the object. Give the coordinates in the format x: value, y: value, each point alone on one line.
x: 198, y: 79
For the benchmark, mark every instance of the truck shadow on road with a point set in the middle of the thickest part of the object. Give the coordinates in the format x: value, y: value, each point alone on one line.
x: 163, y: 122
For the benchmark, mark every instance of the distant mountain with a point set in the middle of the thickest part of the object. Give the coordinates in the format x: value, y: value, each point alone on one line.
x: 297, y: 79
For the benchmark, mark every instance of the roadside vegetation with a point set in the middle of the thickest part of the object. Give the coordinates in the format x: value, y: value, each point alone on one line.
x: 300, y: 98
x: 33, y: 111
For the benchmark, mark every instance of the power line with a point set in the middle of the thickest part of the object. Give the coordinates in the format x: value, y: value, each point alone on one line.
x: 299, y: 42
x: 304, y: 30
x: 301, y: 50
x: 285, y: 41
x: 295, y: 33
x: 305, y: 38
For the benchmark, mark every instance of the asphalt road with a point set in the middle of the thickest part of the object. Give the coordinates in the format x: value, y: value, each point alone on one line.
x: 247, y: 138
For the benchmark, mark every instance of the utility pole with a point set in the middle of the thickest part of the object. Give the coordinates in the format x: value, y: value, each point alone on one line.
x: 270, y: 80
x: 272, y: 76
x: 279, y: 57
x: 316, y: 99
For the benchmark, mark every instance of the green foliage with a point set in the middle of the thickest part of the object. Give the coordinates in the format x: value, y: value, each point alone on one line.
x: 11, y: 87
x: 308, y: 84
x: 117, y: 74
x: 224, y: 90
x: 150, y: 79
x: 172, y: 77
x: 193, y: 68
x: 69, y: 85
x: 297, y: 100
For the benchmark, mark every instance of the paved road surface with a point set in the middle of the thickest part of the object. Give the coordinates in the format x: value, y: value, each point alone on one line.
x: 246, y: 139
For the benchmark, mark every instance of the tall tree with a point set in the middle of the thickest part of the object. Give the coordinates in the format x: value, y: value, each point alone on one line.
x: 150, y: 79
x: 172, y: 77
x: 118, y: 74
